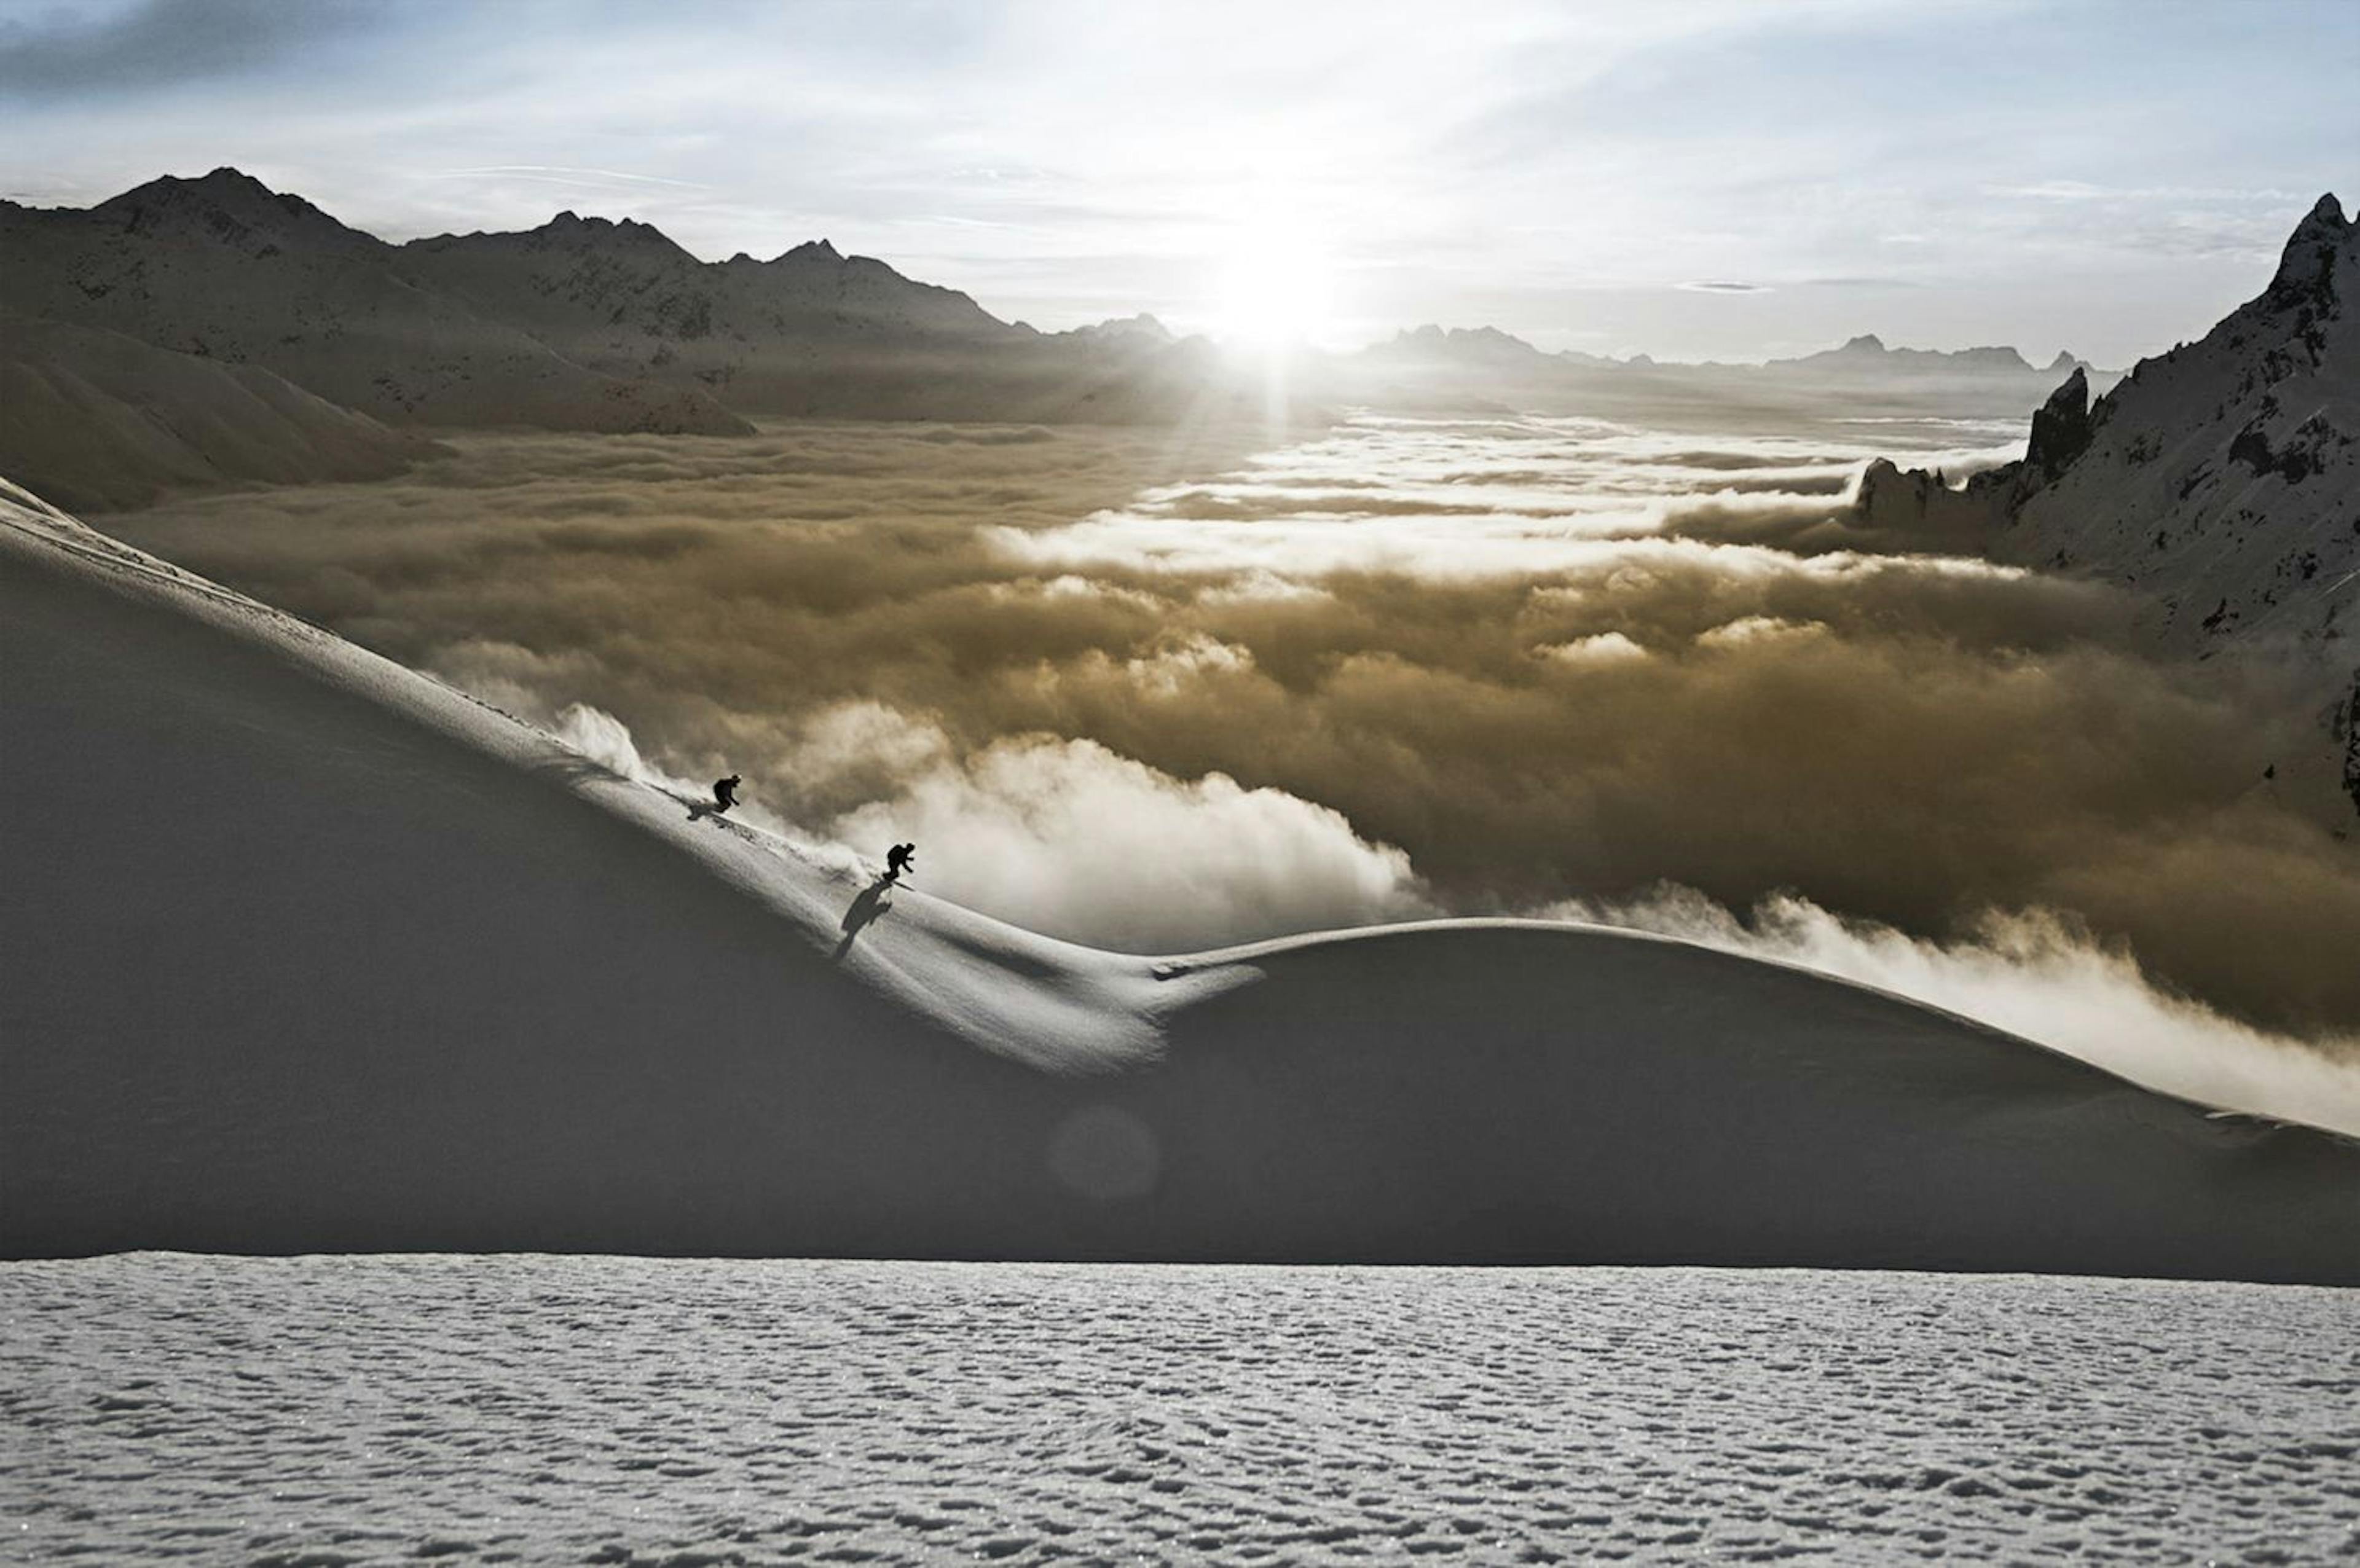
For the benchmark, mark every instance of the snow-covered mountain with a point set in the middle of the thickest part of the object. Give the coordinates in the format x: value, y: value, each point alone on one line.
x: 224, y: 269
x: 2221, y: 480
x: 100, y: 421
x: 306, y: 951
x: 810, y: 330
x: 614, y: 295
x: 2224, y: 477
x: 582, y: 323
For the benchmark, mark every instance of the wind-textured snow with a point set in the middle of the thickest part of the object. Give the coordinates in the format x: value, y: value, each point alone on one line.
x: 331, y: 1412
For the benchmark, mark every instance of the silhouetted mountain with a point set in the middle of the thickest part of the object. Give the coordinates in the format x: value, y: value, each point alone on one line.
x: 1482, y: 346
x: 1868, y: 353
x: 1141, y: 331
x: 1432, y: 367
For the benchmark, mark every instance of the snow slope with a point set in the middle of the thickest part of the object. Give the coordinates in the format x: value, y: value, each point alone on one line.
x: 306, y: 951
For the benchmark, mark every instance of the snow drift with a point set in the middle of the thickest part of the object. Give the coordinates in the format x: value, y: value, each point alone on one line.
x: 305, y: 952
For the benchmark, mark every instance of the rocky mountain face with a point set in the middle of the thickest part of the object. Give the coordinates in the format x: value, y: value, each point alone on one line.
x: 2221, y: 480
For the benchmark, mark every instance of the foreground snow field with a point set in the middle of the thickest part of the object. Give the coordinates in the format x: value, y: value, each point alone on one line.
x: 306, y: 953
x: 592, y: 1410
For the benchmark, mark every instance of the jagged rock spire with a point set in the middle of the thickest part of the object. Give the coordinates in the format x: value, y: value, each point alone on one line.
x: 2307, y: 267
x: 2061, y: 427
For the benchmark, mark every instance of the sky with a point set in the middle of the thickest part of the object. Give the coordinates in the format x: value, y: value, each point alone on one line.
x: 2104, y: 178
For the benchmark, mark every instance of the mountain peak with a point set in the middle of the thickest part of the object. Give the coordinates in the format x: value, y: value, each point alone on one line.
x: 225, y: 186
x: 1142, y: 327
x: 225, y: 202
x: 2305, y: 267
x: 1463, y: 342
x: 228, y: 178
x: 1867, y: 342
x: 811, y: 250
x: 574, y: 229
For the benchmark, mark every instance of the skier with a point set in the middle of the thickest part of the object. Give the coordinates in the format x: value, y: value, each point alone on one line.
x: 725, y: 793
x: 897, y: 860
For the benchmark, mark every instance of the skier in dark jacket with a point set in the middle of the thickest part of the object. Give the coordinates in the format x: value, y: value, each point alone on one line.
x: 898, y: 859
x: 725, y: 793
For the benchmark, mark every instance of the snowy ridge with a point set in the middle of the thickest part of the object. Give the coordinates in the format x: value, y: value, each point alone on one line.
x: 313, y: 953
x: 224, y: 269
x: 2221, y: 480
x: 582, y: 323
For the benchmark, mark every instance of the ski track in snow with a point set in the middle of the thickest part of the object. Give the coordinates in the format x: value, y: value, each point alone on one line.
x: 331, y: 1411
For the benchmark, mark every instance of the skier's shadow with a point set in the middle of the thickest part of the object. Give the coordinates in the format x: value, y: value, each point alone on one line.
x: 699, y: 809
x: 871, y: 904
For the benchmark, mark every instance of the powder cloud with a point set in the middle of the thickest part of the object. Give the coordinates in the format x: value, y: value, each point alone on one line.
x: 2041, y: 975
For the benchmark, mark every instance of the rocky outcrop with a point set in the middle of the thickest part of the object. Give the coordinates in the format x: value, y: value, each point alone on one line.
x: 1931, y: 513
x: 2061, y: 428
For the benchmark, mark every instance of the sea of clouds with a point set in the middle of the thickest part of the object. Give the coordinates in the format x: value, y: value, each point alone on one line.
x: 1162, y: 691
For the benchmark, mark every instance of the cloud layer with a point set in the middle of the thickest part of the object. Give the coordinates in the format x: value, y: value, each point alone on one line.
x: 1159, y: 695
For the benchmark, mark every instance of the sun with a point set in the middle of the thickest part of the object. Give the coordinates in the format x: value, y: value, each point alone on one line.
x: 1275, y: 291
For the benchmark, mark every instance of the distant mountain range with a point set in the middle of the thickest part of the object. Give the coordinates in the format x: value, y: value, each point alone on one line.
x: 226, y: 269
x: 2221, y: 480
x: 580, y: 324
x: 1432, y: 367
x: 344, y: 345
x: 1862, y: 356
